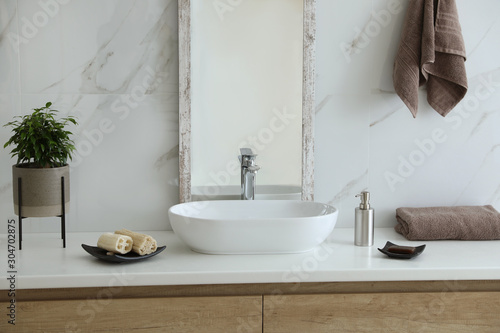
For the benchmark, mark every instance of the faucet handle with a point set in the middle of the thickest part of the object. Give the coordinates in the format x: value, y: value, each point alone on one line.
x: 247, y: 152
x: 247, y: 157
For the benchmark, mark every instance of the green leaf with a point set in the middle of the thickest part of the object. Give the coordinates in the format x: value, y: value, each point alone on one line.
x: 41, y: 137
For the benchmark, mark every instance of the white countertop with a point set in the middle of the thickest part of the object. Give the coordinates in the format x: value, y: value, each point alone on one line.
x: 43, y: 263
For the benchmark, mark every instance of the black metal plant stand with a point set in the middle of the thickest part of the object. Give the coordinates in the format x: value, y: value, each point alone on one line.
x: 62, y: 216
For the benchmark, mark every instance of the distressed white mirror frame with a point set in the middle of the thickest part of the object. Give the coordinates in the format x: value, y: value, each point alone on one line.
x: 309, y: 37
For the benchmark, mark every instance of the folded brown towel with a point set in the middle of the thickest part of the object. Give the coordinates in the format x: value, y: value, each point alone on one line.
x: 431, y: 50
x: 460, y: 222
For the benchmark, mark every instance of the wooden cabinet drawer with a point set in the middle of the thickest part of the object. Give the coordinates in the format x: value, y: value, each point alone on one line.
x: 186, y: 314
x: 474, y: 312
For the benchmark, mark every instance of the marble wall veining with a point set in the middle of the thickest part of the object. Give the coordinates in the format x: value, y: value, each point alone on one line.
x: 114, y: 65
x: 427, y: 161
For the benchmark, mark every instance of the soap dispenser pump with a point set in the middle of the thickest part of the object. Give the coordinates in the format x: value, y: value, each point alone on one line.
x: 364, y: 221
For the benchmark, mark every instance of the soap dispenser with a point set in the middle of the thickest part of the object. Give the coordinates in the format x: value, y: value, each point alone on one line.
x: 363, y: 221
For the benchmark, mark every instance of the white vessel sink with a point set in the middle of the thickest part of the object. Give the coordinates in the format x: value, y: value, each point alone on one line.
x: 233, y: 192
x: 252, y: 226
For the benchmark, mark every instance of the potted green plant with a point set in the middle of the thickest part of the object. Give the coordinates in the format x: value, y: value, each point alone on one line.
x: 43, y: 147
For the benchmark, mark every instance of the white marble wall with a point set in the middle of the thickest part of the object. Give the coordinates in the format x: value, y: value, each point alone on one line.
x: 113, y: 64
x: 364, y: 131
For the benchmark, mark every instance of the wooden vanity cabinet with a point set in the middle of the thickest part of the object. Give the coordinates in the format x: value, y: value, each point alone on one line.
x: 473, y: 312
x: 410, y: 306
x: 151, y: 315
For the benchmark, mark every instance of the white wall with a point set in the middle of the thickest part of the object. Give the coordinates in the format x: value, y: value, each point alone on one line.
x: 363, y: 129
x: 114, y: 65
x: 117, y: 60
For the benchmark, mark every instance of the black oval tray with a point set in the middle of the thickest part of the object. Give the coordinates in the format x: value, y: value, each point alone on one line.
x: 129, y: 257
x: 417, y: 251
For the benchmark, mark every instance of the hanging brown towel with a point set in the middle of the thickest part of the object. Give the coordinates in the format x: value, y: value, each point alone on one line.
x: 431, y: 51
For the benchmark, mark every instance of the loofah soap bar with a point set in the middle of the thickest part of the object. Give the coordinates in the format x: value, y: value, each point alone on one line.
x: 142, y: 244
x: 115, y: 243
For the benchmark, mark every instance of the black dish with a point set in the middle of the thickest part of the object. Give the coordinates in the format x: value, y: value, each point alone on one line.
x: 129, y: 257
x: 417, y: 250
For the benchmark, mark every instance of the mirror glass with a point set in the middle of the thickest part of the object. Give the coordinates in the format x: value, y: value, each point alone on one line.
x: 242, y: 86
x: 246, y: 77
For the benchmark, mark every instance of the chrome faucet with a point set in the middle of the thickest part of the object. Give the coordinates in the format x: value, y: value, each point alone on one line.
x: 248, y: 173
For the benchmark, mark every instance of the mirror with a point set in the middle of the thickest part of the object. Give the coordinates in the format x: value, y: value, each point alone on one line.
x: 246, y: 81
